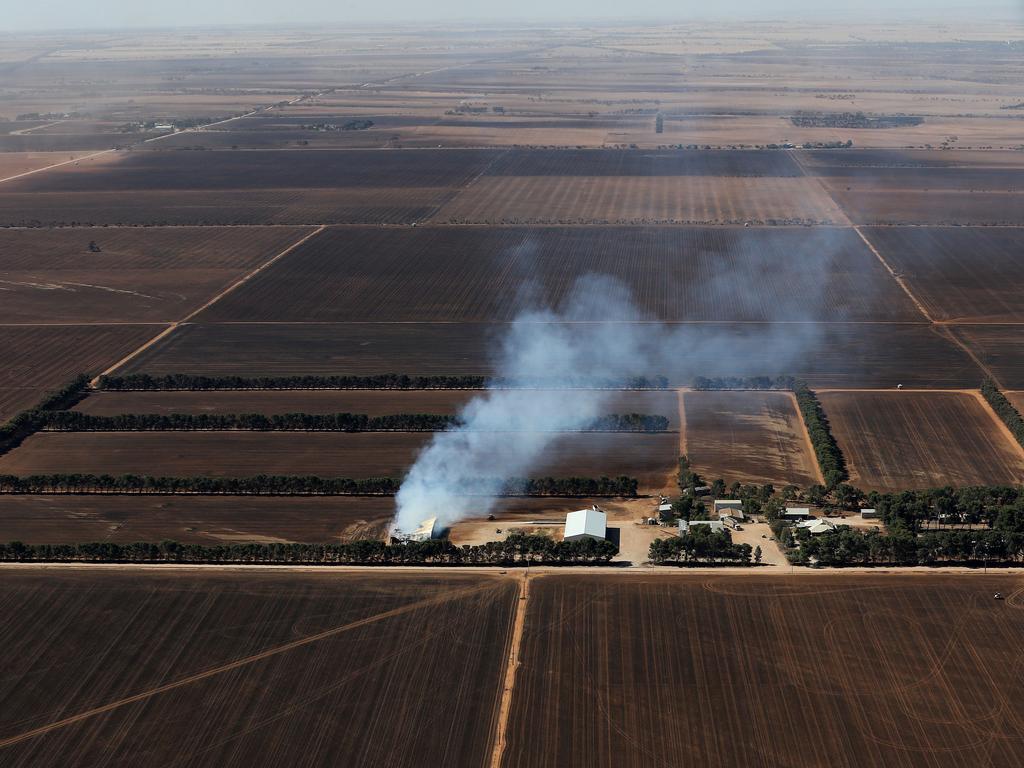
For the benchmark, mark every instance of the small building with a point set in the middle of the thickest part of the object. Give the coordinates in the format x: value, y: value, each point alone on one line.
x: 665, y: 509
x: 797, y: 513
x: 585, y: 524
x: 164, y: 127
x: 685, y: 527
x: 728, y: 507
x: 814, y: 526
x: 869, y: 514
x: 428, y: 530
x: 731, y: 521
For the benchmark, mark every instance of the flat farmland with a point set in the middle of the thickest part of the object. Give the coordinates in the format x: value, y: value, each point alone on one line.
x: 206, y: 520
x: 960, y: 274
x: 898, y: 440
x: 651, y: 458
x: 39, y: 358
x: 748, y: 437
x: 826, y: 354
x: 637, y: 199
x: 244, y: 669
x: 139, y: 275
x: 999, y: 347
x: 617, y: 162
x: 851, y: 671
x: 388, y: 205
x: 481, y: 274
x: 13, y: 163
x: 369, y: 401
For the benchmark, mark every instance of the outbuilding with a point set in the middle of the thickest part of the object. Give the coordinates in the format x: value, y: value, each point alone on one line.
x: 869, y: 514
x: 429, y: 529
x: 797, y: 513
x: 586, y: 524
x: 686, y: 527
x: 732, y: 507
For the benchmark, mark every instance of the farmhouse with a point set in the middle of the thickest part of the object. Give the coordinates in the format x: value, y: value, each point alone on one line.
x: 728, y: 507
x: 685, y: 527
x: 816, y: 526
x: 585, y: 524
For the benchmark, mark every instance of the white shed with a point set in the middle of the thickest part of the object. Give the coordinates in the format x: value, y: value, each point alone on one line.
x: 797, y: 513
x: 585, y: 524
x: 728, y: 507
x: 714, y: 525
x: 428, y: 530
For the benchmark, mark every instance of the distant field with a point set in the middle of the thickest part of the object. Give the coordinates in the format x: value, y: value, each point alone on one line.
x: 138, y: 275
x: 328, y: 665
x: 13, y: 163
x: 372, y: 402
x: 638, y: 199
x: 1000, y: 347
x: 837, y: 355
x: 898, y: 440
x: 195, y: 519
x: 481, y: 274
x: 612, y: 162
x: 748, y: 437
x: 649, y: 457
x: 41, y: 358
x: 966, y: 274
x: 848, y: 671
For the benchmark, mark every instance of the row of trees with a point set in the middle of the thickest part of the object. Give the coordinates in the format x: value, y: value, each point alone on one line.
x: 848, y: 547
x: 746, y: 382
x: 1004, y: 409
x: 996, y: 506
x: 298, y: 485
x: 517, y: 549
x: 181, y: 381
x: 826, y: 449
x: 24, y: 424
x: 74, y: 421
x: 701, y: 546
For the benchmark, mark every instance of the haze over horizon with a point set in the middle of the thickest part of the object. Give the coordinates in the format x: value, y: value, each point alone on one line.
x: 66, y: 15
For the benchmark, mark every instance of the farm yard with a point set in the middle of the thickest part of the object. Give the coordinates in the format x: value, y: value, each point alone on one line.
x: 900, y: 440
x: 230, y: 669
x: 629, y: 671
x: 748, y: 437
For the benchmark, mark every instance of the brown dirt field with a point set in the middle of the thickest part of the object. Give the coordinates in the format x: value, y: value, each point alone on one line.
x: 194, y: 519
x: 13, y: 163
x: 849, y: 671
x: 1017, y: 398
x: 960, y: 274
x: 140, y: 275
x: 836, y: 355
x: 899, y: 440
x: 372, y: 402
x: 650, y: 458
x: 41, y: 358
x: 637, y: 199
x: 1000, y: 348
x: 935, y: 207
x: 244, y: 669
x: 357, y: 205
x: 480, y: 274
x: 749, y: 437
x: 607, y: 162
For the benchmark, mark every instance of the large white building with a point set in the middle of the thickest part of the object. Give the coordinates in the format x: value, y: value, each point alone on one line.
x: 585, y: 524
x: 428, y: 529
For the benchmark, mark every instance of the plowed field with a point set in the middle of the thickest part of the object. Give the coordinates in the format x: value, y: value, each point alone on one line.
x: 250, y: 669
x: 898, y: 440
x: 847, y: 671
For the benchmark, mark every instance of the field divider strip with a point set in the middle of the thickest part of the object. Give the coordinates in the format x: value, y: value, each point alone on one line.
x: 1000, y: 424
x: 57, y: 165
x: 172, y: 327
x: 12, y: 740
x: 808, y: 443
x: 512, y: 665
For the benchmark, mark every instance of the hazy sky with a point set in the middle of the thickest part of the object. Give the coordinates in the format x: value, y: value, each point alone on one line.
x: 73, y: 14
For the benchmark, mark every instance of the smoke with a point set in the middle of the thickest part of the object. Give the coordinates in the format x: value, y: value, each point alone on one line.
x: 596, y: 331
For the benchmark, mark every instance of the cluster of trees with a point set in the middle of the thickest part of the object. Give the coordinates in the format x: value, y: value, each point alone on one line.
x: 746, y: 382
x: 74, y: 421
x: 182, y: 381
x: 701, y: 546
x: 517, y: 549
x: 853, y: 120
x: 301, y: 485
x: 848, y: 547
x: 1004, y: 409
x: 830, y: 458
x: 991, y: 505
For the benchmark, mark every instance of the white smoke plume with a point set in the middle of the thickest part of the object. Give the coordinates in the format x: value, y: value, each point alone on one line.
x: 597, y: 333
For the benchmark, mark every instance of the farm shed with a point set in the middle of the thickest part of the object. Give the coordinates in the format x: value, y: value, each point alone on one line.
x: 797, y: 513
x: 585, y: 524
x: 728, y: 507
x: 869, y: 514
x: 428, y: 530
